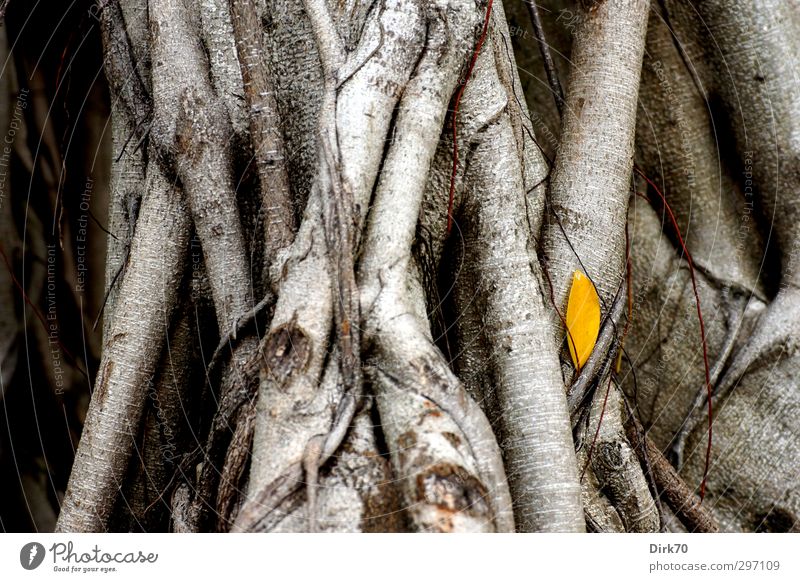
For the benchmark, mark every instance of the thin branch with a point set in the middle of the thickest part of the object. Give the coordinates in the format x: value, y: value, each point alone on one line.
x: 684, y: 57
x: 231, y: 339
x: 111, y: 287
x: 547, y: 57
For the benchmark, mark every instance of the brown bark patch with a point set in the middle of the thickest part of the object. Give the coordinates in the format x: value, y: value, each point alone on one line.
x: 777, y: 520
x: 101, y: 384
x: 382, y: 512
x: 591, y: 5
x: 407, y: 440
x: 286, y: 353
x: 430, y: 410
x: 453, y: 438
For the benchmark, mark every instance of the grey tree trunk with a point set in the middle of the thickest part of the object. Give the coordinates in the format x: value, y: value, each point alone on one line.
x: 344, y: 238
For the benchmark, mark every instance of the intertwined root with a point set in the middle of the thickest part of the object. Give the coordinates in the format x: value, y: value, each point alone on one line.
x: 379, y: 400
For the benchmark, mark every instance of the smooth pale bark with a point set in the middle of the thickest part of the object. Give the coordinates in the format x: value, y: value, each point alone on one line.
x: 590, y: 184
x: 587, y: 201
x: 535, y: 165
x: 363, y: 90
x: 189, y: 117
x: 143, y: 503
x: 502, y: 277
x: 292, y: 405
x: 358, y: 115
x: 753, y: 68
x: 193, y: 121
x: 439, y: 439
x: 533, y: 426
x: 127, y: 68
x: 130, y: 357
x: 443, y: 447
x: 360, y: 164
x: 681, y: 143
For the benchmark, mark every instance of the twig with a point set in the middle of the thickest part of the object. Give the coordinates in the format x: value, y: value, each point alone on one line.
x: 684, y: 57
x: 133, y: 205
x: 110, y: 287
x: 597, y: 364
x: 599, y: 424
x: 231, y: 339
x: 311, y: 463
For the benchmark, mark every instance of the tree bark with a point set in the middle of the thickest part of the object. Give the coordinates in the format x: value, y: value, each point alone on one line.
x: 341, y: 239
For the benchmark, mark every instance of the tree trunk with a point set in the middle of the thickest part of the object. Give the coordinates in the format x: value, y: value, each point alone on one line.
x: 339, y: 280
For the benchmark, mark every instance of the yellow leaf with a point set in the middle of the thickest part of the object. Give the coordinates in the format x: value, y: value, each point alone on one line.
x: 583, y: 319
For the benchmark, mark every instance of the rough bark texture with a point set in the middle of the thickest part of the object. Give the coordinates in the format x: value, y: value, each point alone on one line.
x: 131, y: 355
x: 341, y: 236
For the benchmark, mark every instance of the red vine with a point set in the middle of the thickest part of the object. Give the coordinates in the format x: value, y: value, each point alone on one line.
x: 702, y: 325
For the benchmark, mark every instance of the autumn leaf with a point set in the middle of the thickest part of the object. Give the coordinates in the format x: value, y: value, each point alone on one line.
x: 583, y: 319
